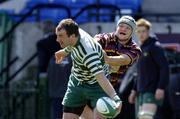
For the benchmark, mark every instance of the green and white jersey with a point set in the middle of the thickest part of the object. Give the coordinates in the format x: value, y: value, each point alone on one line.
x: 87, y: 58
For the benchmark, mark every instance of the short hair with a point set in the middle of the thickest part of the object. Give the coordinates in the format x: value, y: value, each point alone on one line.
x: 70, y: 26
x: 143, y: 22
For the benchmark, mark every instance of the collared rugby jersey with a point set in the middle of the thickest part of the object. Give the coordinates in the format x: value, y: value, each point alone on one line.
x: 110, y: 44
x: 87, y: 58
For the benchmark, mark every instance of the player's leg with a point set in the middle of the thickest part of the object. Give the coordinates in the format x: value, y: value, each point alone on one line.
x: 87, y: 113
x: 74, y: 100
x: 97, y: 115
x: 149, y: 106
x: 94, y: 93
x: 148, y: 111
x: 72, y: 112
x: 70, y: 116
x: 139, y: 104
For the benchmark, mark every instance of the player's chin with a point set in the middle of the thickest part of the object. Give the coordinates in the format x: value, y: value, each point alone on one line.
x: 62, y: 45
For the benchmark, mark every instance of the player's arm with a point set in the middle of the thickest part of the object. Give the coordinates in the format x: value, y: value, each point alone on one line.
x: 104, y: 39
x: 122, y: 59
x: 160, y: 60
x: 106, y: 86
x: 92, y: 62
x: 128, y: 57
x: 61, y: 54
x: 133, y: 93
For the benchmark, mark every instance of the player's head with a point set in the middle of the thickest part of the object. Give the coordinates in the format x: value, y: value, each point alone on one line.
x: 67, y: 32
x: 143, y: 29
x: 126, y: 26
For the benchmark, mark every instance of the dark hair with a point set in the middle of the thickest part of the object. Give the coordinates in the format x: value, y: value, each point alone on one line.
x: 70, y: 26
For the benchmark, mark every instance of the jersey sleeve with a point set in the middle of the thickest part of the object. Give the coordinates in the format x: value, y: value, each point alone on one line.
x: 160, y: 60
x: 68, y: 49
x: 104, y: 38
x: 93, y: 63
x: 134, y: 53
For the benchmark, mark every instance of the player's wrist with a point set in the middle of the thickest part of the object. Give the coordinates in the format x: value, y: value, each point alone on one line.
x: 116, y: 98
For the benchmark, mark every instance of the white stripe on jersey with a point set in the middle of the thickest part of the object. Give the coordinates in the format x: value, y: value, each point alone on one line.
x: 87, y: 58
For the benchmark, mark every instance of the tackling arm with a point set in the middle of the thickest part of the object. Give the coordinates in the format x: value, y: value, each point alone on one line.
x: 106, y: 86
x: 118, y: 60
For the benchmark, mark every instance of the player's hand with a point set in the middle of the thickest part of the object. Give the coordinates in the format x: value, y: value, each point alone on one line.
x: 59, y: 55
x: 159, y: 94
x: 106, y: 58
x: 110, y: 39
x: 118, y: 104
x: 105, y: 39
x: 118, y: 107
x: 132, y: 97
x: 105, y: 55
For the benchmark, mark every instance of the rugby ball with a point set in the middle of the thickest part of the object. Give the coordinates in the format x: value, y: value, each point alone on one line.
x: 106, y: 107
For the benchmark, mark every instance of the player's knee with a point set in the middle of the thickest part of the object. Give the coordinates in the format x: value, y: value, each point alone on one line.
x: 145, y: 115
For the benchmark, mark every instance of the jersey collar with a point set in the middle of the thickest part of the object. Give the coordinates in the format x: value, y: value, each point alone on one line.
x: 77, y: 42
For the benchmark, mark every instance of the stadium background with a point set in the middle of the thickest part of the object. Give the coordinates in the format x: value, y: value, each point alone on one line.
x: 21, y: 26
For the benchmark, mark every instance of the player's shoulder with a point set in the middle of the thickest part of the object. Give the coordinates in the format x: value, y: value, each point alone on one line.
x: 88, y: 44
x: 155, y: 42
x: 133, y: 45
x: 84, y: 34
